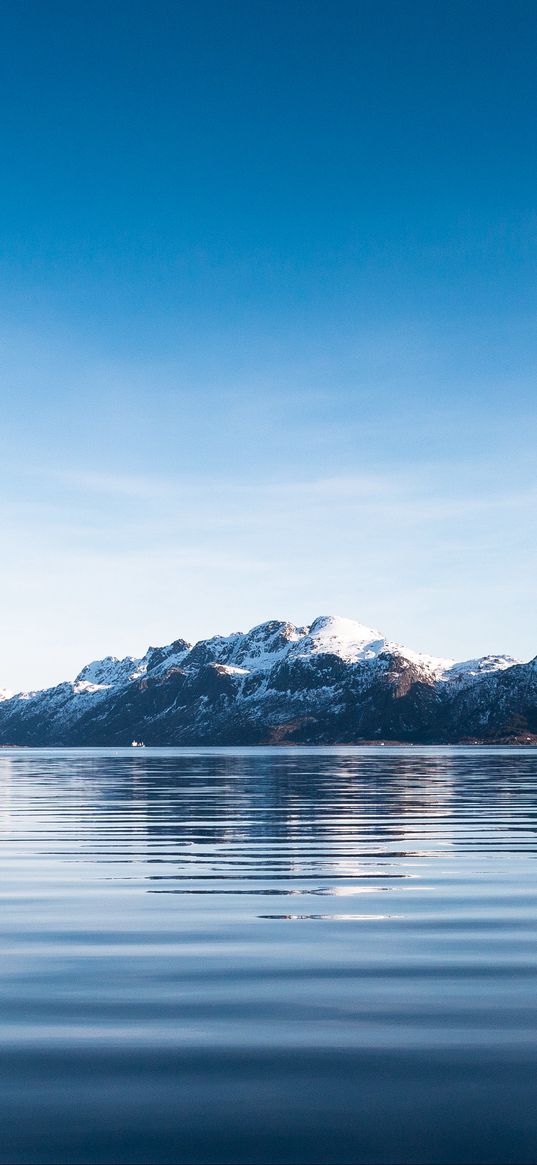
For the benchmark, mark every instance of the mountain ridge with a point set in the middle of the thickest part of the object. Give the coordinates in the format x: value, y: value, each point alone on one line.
x: 334, y: 681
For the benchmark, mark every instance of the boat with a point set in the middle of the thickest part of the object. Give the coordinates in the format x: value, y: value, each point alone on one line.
x: 137, y: 744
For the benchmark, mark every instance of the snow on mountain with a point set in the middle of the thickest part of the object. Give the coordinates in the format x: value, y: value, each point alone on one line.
x: 264, y: 645
x: 334, y: 680
x: 259, y: 649
x: 107, y: 673
x: 346, y: 639
x: 474, y: 669
x: 354, y: 643
x: 160, y: 659
x: 332, y: 635
x: 436, y: 667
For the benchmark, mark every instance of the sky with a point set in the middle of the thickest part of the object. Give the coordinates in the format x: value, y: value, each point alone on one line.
x: 268, y: 317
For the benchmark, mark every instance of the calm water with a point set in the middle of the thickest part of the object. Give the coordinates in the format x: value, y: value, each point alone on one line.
x: 268, y: 956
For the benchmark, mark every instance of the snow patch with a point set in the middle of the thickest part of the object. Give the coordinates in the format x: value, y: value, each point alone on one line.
x: 471, y: 669
x: 109, y: 672
x: 229, y: 670
x: 434, y: 665
x: 264, y: 645
x: 351, y: 641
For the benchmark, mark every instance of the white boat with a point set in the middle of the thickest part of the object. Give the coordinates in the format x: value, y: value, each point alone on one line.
x: 137, y: 744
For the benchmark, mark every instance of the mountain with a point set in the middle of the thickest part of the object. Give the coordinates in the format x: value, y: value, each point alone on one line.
x: 336, y: 681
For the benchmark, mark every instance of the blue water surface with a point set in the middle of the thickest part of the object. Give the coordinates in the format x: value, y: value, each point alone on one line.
x: 268, y: 955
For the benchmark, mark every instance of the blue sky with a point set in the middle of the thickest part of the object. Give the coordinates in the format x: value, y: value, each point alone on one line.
x: 267, y: 323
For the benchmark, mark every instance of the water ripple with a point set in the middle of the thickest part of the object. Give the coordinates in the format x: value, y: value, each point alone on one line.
x: 156, y: 1006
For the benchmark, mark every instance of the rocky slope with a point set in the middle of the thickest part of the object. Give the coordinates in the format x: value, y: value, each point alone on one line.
x: 333, y: 682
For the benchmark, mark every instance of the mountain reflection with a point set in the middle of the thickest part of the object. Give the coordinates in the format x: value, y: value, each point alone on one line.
x: 325, y: 819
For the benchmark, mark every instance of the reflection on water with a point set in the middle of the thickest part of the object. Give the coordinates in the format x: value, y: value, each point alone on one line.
x: 157, y: 1006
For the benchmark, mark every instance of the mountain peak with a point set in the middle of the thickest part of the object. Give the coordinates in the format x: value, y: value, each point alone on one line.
x: 335, y: 635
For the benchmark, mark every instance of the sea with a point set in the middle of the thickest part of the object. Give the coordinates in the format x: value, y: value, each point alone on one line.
x: 284, y: 955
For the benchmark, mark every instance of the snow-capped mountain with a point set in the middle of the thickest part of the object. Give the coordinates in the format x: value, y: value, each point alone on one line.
x: 334, y: 681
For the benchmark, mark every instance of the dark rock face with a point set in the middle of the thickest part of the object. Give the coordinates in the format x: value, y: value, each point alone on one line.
x: 502, y: 707
x: 334, y: 682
